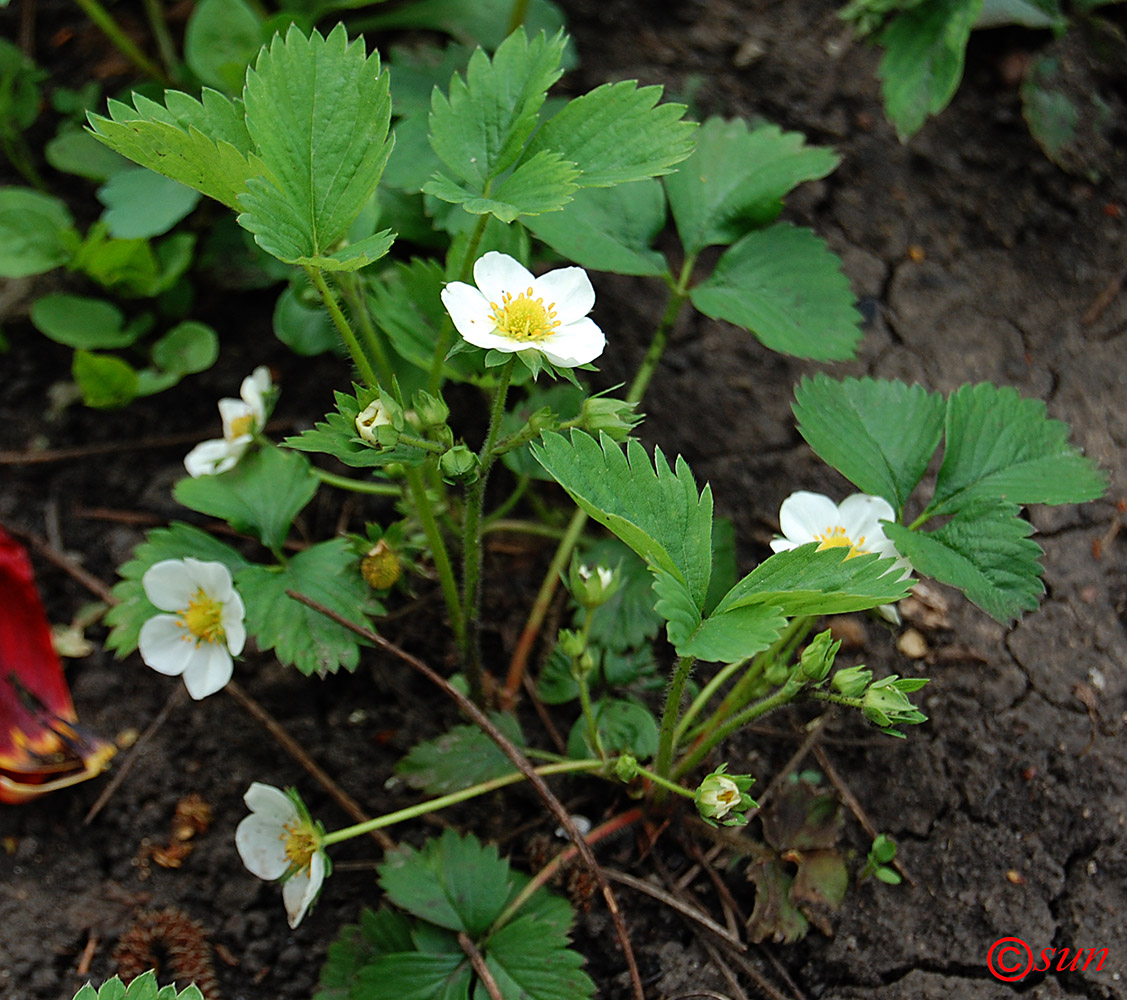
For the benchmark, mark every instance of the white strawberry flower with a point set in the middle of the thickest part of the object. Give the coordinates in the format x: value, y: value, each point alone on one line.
x: 854, y: 524
x: 510, y: 310
x: 279, y: 840
x: 205, y: 627
x: 242, y: 419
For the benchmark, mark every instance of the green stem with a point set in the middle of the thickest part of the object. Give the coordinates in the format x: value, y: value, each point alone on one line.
x: 417, y: 442
x: 783, y: 696
x: 433, y: 805
x: 359, y: 358
x: 121, y: 41
x: 354, y: 295
x: 416, y: 483
x: 19, y: 156
x: 523, y: 527
x: 357, y: 485
x: 669, y: 719
x: 678, y: 295
x: 154, y: 12
x: 510, y: 502
x: 471, y: 534
x: 580, y: 677
x: 703, y: 698
x: 672, y: 786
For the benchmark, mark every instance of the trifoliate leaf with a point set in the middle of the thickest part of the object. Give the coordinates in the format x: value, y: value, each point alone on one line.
x: 985, y: 551
x: 653, y: 509
x: 318, y: 111
x: 203, y: 144
x: 461, y: 757
x: 327, y: 573
x: 417, y: 975
x: 36, y: 232
x: 178, y: 541
x: 618, y: 133
x: 529, y: 958
x: 261, y: 495
x: 737, y: 178
x: 925, y: 48
x: 880, y: 435
x: 785, y: 286
x: 453, y: 882
x: 733, y: 634
x: 806, y: 581
x: 378, y: 933
x: 1001, y: 446
x: 608, y: 229
x: 481, y: 129
x: 541, y: 184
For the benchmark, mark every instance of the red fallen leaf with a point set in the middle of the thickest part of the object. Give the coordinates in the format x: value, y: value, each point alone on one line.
x: 42, y: 746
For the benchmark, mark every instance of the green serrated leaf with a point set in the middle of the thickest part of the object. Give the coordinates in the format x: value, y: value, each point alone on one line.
x: 261, y: 495
x: 203, y: 144
x: 880, y: 435
x: 529, y: 958
x: 541, y: 184
x: 352, y: 256
x: 618, y: 133
x: 985, y: 551
x: 143, y: 987
x: 785, y: 286
x: 481, y: 128
x: 1001, y: 446
x: 221, y: 40
x: 461, y: 757
x: 327, y: 573
x: 624, y: 727
x: 379, y: 933
x: 608, y: 229
x: 925, y: 48
x: 733, y: 634
x: 653, y: 509
x: 318, y: 111
x: 453, y: 882
x: 737, y: 178
x: 82, y: 322
x: 178, y: 541
x: 107, y: 383
x: 809, y: 581
x: 36, y: 232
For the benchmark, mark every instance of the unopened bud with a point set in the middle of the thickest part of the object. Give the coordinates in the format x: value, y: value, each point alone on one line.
x: 381, y: 567
x: 852, y: 681
x: 591, y: 586
x: 458, y: 465
x: 614, y: 417
x: 430, y: 410
x: 818, y: 657
x: 376, y: 424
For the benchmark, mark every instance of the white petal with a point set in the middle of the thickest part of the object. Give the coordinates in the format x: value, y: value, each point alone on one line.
x: 210, y: 458
x: 165, y: 646
x: 232, y: 410
x: 302, y: 889
x: 889, y: 613
x: 782, y: 545
x: 168, y: 585
x: 577, y: 343
x: 233, y: 627
x: 468, y: 308
x: 213, y: 578
x: 208, y: 671
x: 254, y: 387
x: 271, y: 802
x: 569, y: 290
x: 496, y: 273
x: 861, y: 514
x: 804, y: 515
x: 496, y: 342
x: 261, y: 843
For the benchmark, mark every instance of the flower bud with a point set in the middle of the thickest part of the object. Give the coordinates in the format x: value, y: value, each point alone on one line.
x: 818, y: 658
x: 591, y: 586
x: 431, y: 410
x: 626, y: 768
x: 458, y: 465
x: 614, y: 417
x: 381, y: 567
x: 724, y: 797
x: 543, y: 420
x: 377, y: 424
x: 572, y: 644
x: 852, y: 681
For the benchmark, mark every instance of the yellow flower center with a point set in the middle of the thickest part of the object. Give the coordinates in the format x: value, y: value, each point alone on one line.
x: 301, y: 845
x: 203, y: 619
x: 524, y: 318
x: 836, y: 538
x: 242, y: 425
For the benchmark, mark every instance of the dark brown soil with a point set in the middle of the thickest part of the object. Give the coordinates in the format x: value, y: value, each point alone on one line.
x: 973, y: 258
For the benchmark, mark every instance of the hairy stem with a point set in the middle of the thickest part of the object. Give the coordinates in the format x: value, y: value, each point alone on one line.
x: 669, y: 717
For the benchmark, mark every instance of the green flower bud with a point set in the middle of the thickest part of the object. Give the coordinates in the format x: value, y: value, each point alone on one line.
x: 543, y: 420
x: 572, y: 644
x: 458, y: 465
x: 818, y: 658
x: 852, y: 681
x: 885, y: 704
x: 723, y: 797
x: 614, y: 417
x: 776, y: 673
x: 591, y: 586
x: 626, y: 767
x: 430, y: 410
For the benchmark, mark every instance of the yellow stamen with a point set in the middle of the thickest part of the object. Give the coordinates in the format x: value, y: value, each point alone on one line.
x: 242, y: 425
x: 836, y: 538
x: 203, y: 619
x: 301, y: 845
x: 524, y: 318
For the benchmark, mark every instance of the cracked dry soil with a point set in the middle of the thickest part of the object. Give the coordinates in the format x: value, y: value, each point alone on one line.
x: 973, y: 258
